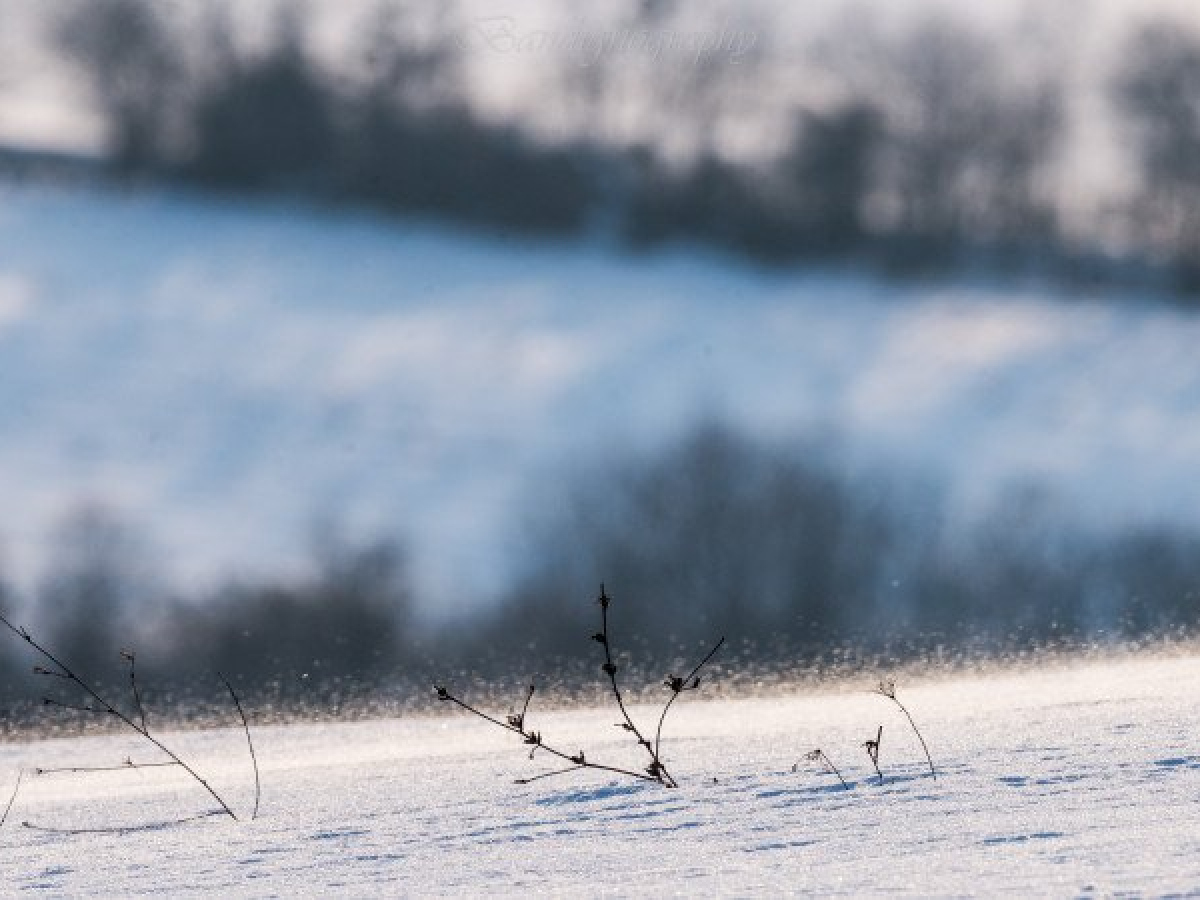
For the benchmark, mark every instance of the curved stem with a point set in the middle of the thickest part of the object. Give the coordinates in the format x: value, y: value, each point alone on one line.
x: 113, y: 711
x: 536, y: 740
x: 128, y: 766
x: 834, y: 769
x: 610, y: 668
x: 692, y: 674
x: 924, y: 746
x: 13, y: 798
x: 249, y: 743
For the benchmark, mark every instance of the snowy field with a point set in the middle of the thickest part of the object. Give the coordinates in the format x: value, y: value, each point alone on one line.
x: 189, y: 363
x: 1075, y: 782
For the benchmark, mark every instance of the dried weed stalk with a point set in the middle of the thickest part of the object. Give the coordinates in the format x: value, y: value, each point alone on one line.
x: 887, y: 688
x: 656, y: 771
x: 819, y: 756
x: 135, y: 721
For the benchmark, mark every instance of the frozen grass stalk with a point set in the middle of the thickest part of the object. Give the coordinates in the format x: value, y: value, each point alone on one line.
x: 887, y: 688
x: 654, y: 772
x: 872, y: 748
x: 819, y: 756
x: 98, y: 705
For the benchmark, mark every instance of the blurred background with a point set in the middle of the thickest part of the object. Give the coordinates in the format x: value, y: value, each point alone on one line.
x: 346, y: 344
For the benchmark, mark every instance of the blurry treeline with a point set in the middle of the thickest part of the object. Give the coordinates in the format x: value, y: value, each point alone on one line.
x: 799, y: 563
x: 932, y: 145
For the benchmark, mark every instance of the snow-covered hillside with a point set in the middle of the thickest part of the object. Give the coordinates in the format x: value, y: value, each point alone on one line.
x: 1074, y: 782
x: 222, y: 374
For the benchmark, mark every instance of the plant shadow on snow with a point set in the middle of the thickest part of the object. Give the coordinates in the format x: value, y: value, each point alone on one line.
x: 596, y: 794
x: 1182, y: 762
x: 1024, y: 838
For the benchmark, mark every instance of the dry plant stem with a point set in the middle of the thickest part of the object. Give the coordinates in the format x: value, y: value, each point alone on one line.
x: 249, y: 743
x: 656, y: 768
x: 13, y: 798
x: 533, y: 738
x: 655, y: 772
x: 887, y: 688
x: 872, y: 748
x: 124, y: 767
x: 107, y: 708
x: 137, y: 695
x: 928, y: 758
x: 689, y: 683
x: 820, y: 756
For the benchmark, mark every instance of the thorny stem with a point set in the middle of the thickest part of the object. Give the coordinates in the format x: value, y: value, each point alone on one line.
x: 13, y: 798
x: 107, y: 707
x: 656, y: 768
x: 249, y: 743
x: 678, y: 685
x: 533, y: 738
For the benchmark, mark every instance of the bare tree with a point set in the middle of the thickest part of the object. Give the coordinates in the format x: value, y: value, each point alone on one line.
x: 132, y: 62
x: 1157, y: 93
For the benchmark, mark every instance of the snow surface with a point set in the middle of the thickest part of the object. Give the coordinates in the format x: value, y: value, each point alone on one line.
x: 224, y: 374
x: 1079, y: 781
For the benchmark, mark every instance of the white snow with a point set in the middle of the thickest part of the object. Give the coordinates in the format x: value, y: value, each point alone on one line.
x: 224, y: 374
x: 1080, y: 781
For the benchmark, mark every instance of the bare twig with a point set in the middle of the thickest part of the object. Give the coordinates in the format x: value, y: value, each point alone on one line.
x: 249, y: 743
x: 690, y: 682
x: 103, y: 707
x: 887, y: 688
x: 872, y: 748
x: 516, y: 722
x: 129, y: 656
x: 126, y: 766
x: 13, y: 798
x: 819, y: 755
x: 534, y: 739
x: 556, y: 772
x: 656, y: 768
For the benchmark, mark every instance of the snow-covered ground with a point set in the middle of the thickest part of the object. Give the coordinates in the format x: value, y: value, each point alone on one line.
x: 221, y: 374
x: 1076, y: 782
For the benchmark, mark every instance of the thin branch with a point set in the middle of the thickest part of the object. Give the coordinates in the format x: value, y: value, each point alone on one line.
x: 13, y: 798
x: 137, y: 696
x: 517, y: 720
x: 50, y: 701
x: 872, y: 748
x: 534, y: 739
x: 887, y: 688
x: 111, y: 710
x: 820, y: 756
x: 534, y: 778
x: 690, y: 682
x: 249, y: 743
x: 656, y: 768
x: 124, y: 767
